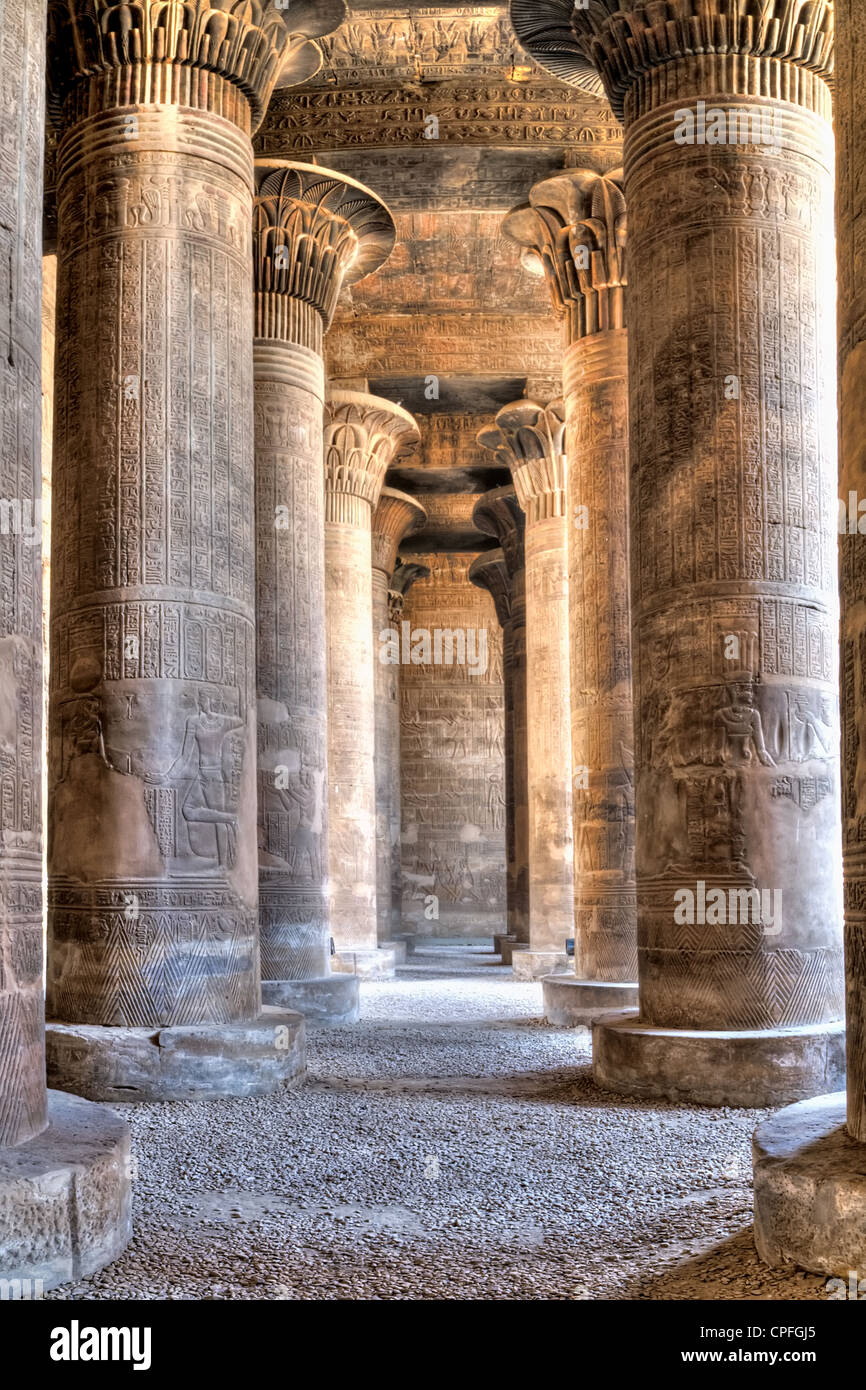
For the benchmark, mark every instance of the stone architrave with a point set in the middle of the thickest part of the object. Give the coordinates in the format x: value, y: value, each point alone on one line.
x: 728, y: 169
x: 405, y: 574
x: 364, y: 435
x: 153, y: 969
x: 313, y: 231
x: 64, y: 1162
x: 809, y: 1165
x: 498, y: 513
x: 530, y: 440
x: 397, y: 516
x: 573, y: 231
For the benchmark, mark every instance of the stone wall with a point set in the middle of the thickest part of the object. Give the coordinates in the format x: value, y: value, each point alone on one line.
x: 452, y: 752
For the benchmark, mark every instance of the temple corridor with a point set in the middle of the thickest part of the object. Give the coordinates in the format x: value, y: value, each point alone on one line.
x: 432, y: 1154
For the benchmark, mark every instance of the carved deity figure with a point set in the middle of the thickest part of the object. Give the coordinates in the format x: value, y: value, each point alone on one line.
x: 201, y: 759
x: 306, y: 840
x: 743, y: 726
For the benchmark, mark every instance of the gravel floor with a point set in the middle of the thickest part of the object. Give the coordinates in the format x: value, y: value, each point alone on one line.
x: 451, y: 1145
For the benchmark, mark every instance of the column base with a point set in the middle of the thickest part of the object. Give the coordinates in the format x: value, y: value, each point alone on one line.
x: 332, y: 1000
x: 374, y: 964
x: 810, y: 1189
x: 500, y: 943
x: 398, y: 946
x: 748, y: 1070
x: 573, y: 1003
x: 409, y: 939
x: 200, y: 1062
x: 65, y: 1198
x: 534, y: 965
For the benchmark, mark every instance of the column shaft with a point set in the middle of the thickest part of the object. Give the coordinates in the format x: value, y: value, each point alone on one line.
x: 292, y: 679
x: 152, y: 753
x: 573, y: 232
x: 362, y: 437
x: 387, y: 752
x: 397, y: 516
x: 733, y: 567
x: 529, y: 439
x: 314, y: 230
x: 152, y: 864
x: 728, y: 165
x: 548, y: 750
x: 22, y: 106
x: 519, y: 779
x: 851, y: 207
x: 351, y: 723
x: 404, y: 576
x: 595, y: 389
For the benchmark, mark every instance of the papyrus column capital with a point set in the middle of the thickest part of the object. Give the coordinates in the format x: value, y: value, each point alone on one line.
x: 314, y: 230
x: 529, y: 439
x: 103, y: 54
x: 498, y: 513
x: 364, y: 435
x: 397, y: 516
x: 616, y: 47
x: 489, y: 571
x: 573, y: 231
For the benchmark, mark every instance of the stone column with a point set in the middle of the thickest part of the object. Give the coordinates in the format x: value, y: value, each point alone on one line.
x: 153, y: 934
x: 397, y: 516
x: 64, y: 1163
x: 498, y: 513
x: 364, y: 434
x: 574, y: 232
x: 530, y: 440
x: 488, y: 571
x: 313, y: 230
x: 810, y: 1168
x: 404, y: 576
x: 728, y: 179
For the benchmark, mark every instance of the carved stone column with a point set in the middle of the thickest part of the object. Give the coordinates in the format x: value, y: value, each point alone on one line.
x: 153, y: 931
x: 498, y: 513
x: 397, y: 516
x: 404, y: 576
x: 728, y: 166
x: 313, y: 230
x: 530, y: 440
x: 488, y: 571
x: 64, y: 1163
x: 810, y: 1169
x: 574, y: 232
x: 363, y: 436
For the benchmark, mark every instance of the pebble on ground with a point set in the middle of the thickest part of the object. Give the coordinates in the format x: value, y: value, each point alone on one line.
x: 450, y: 1145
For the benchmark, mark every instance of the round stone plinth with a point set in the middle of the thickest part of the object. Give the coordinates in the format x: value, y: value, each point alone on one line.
x: 332, y: 1000
x: 749, y: 1069
x: 810, y: 1189
x: 398, y: 946
x: 65, y: 1198
x: 376, y: 964
x: 199, y: 1062
x: 573, y: 1003
x: 534, y: 965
